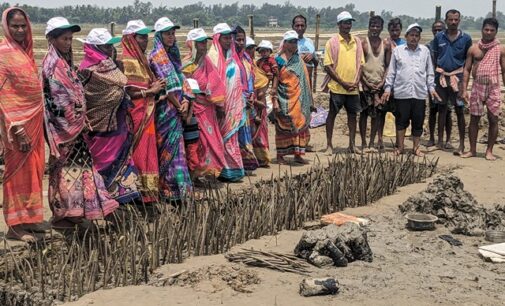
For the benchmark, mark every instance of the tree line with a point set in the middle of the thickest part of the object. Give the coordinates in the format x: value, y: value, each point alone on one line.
x: 233, y: 14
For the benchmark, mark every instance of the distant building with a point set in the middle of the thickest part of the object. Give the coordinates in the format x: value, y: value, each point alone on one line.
x: 273, y: 22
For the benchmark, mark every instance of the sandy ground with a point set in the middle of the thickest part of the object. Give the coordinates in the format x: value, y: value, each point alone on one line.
x: 408, y: 267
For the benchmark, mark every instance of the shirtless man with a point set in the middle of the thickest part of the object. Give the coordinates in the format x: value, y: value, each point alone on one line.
x: 377, y: 54
x: 485, y: 61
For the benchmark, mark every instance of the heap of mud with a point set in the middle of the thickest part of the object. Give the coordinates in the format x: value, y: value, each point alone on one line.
x: 455, y: 208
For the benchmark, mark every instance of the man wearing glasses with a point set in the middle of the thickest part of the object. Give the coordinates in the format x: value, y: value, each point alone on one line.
x: 343, y: 57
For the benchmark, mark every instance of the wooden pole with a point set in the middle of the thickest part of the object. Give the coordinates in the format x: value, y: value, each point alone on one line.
x: 494, y: 8
x: 316, y: 45
x: 371, y: 13
x: 251, y: 26
x: 195, y: 22
x: 112, y: 26
x: 438, y: 12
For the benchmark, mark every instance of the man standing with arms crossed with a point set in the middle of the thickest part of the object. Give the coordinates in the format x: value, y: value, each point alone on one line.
x: 486, y: 62
x: 343, y: 57
x: 450, y: 49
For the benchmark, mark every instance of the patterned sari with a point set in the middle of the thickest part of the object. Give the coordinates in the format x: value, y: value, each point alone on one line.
x: 76, y: 189
x: 145, y: 154
x: 295, y: 97
x: 21, y: 104
x: 175, y: 181
x: 206, y: 157
x: 244, y: 134
x: 110, y: 138
x: 233, y: 116
x: 259, y: 121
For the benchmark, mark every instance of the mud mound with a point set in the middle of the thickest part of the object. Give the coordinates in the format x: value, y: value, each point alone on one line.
x: 236, y: 277
x: 456, y: 208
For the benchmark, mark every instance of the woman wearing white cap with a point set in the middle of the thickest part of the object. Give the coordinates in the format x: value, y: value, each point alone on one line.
x: 165, y: 61
x: 293, y: 102
x: 232, y: 116
x: 76, y: 192
x: 110, y: 138
x: 143, y: 88
x: 206, y: 157
x: 21, y: 128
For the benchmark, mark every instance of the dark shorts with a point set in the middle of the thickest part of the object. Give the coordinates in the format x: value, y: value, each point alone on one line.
x: 368, y: 106
x: 351, y: 103
x: 410, y: 111
x: 449, y: 97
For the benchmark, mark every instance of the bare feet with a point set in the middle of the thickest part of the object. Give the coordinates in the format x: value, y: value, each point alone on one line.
x: 440, y: 145
x: 309, y: 148
x: 300, y: 160
x: 329, y: 150
x: 490, y: 156
x: 430, y: 143
x: 418, y: 153
x: 281, y: 160
x: 36, y: 227
x: 18, y: 233
x: 373, y: 150
x: 398, y: 152
x: 355, y: 150
x: 459, y: 151
x: 448, y: 146
x: 468, y: 154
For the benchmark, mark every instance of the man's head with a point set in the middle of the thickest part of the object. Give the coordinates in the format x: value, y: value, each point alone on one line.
x: 18, y: 25
x: 344, y: 22
x: 299, y: 24
x: 437, y: 26
x: 239, y: 38
x: 413, y: 35
x: 395, y: 28
x: 489, y: 29
x: 452, y: 19
x: 375, y: 26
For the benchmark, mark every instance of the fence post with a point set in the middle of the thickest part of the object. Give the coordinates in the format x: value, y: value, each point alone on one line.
x: 438, y: 12
x: 316, y: 45
x: 494, y: 8
x: 195, y: 22
x: 251, y: 26
x: 371, y: 14
x: 112, y: 26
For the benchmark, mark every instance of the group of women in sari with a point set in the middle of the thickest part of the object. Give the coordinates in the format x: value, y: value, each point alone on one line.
x: 136, y: 130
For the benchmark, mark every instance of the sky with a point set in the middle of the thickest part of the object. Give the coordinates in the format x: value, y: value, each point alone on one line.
x: 416, y: 8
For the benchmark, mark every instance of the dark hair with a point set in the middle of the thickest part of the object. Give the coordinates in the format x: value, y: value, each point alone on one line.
x: 490, y: 21
x: 296, y: 17
x: 394, y: 22
x: 239, y: 29
x: 452, y: 11
x: 438, y: 21
x: 376, y: 19
x: 15, y: 11
x: 57, y: 33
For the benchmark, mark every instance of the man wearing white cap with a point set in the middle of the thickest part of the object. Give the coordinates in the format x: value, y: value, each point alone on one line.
x: 232, y: 115
x: 343, y: 58
x: 143, y: 88
x: 411, y: 76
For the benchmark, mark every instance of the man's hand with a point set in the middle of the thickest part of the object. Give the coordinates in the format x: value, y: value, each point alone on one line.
x: 435, y: 96
x: 385, y: 97
x: 307, y: 57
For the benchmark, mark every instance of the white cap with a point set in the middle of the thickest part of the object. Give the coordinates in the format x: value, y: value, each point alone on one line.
x: 266, y: 44
x: 291, y: 34
x: 136, y: 27
x: 164, y: 24
x: 100, y: 36
x: 343, y: 16
x: 223, y: 28
x: 249, y: 42
x: 60, y: 23
x: 414, y: 26
x: 197, y: 34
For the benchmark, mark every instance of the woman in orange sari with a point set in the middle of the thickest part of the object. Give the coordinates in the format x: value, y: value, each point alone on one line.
x: 143, y: 88
x: 21, y: 128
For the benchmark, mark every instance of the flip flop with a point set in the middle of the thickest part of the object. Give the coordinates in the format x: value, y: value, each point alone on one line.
x: 451, y: 240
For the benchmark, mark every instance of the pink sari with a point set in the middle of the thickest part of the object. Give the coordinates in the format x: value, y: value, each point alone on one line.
x: 145, y: 152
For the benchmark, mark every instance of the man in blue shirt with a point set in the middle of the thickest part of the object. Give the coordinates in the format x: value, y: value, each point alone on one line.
x: 306, y: 48
x: 450, y: 48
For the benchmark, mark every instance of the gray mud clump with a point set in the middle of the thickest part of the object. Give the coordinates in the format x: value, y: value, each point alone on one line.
x: 337, y: 245
x: 455, y: 207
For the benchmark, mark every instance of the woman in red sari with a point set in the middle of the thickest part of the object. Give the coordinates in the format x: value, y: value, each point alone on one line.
x: 21, y: 127
x: 143, y: 88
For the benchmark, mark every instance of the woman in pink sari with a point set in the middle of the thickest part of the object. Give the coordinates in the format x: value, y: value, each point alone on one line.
x: 143, y: 88
x: 232, y: 116
x: 21, y: 128
x: 76, y: 189
x: 206, y: 156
